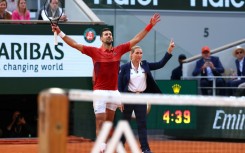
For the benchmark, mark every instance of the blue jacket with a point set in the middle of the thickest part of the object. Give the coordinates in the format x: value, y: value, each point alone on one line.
x: 151, y: 86
x: 239, y: 73
x: 219, y: 69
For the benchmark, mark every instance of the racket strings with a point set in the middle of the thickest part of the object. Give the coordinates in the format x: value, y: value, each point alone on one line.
x: 53, y: 16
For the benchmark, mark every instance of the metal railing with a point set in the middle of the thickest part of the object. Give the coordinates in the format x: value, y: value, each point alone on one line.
x: 217, y: 50
x: 214, y: 82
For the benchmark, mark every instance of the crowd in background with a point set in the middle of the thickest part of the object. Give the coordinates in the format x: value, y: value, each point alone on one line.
x: 17, y: 10
x: 210, y: 68
x: 14, y: 10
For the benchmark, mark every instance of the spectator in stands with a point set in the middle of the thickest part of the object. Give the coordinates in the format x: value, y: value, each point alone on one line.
x: 53, y: 10
x: 21, y: 13
x: 177, y: 72
x: 3, y: 13
x: 11, y: 5
x: 19, y: 127
x: 239, y: 54
x: 209, y: 66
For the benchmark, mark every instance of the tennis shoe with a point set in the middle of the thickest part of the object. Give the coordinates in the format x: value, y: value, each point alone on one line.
x: 147, y: 151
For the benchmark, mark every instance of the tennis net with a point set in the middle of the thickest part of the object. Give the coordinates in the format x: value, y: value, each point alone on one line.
x: 175, y: 123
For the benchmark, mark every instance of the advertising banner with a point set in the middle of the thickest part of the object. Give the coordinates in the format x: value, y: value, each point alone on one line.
x: 32, y: 53
x: 30, y: 62
x: 184, y: 5
x: 196, y: 122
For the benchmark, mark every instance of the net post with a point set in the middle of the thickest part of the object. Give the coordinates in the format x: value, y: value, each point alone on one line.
x: 53, y: 121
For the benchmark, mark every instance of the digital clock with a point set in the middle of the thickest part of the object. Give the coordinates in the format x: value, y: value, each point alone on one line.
x: 175, y: 117
x: 178, y: 116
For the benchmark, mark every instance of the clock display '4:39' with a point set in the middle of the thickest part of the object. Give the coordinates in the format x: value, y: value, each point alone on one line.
x: 178, y: 116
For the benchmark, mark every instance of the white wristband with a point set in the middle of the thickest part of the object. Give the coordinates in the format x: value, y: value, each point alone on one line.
x: 62, y: 34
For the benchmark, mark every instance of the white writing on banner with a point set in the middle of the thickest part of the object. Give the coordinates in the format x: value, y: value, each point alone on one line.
x: 37, y: 56
x: 227, y: 121
x: 129, y: 2
x: 192, y: 3
x: 219, y: 3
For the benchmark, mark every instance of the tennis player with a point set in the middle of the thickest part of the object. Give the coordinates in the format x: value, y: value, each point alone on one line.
x: 106, y: 60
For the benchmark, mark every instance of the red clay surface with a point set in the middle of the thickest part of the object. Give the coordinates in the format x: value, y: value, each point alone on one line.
x: 79, y: 145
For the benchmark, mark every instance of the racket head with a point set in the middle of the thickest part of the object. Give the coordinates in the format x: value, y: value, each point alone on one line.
x: 58, y: 11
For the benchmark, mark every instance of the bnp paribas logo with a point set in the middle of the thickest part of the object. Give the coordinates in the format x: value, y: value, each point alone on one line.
x: 176, y: 88
x: 89, y: 35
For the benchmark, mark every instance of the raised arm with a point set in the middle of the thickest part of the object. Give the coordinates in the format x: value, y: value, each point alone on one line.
x: 66, y: 38
x: 171, y: 46
x: 165, y: 59
x: 154, y: 19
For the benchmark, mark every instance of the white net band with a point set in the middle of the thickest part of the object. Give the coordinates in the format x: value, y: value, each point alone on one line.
x: 159, y: 99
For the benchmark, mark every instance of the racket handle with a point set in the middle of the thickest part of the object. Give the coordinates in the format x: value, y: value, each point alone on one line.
x: 55, y: 38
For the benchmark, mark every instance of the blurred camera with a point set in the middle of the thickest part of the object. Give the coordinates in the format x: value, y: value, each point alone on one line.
x: 207, y: 60
x: 18, y: 117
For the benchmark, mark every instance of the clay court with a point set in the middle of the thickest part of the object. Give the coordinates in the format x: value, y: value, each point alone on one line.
x: 79, y: 145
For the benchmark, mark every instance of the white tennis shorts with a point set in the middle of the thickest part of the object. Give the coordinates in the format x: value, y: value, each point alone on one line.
x: 100, y: 104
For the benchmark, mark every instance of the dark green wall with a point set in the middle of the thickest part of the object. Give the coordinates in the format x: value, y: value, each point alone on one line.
x: 22, y: 93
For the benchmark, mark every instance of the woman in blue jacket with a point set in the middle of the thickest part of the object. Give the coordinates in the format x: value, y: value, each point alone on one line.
x: 135, y: 77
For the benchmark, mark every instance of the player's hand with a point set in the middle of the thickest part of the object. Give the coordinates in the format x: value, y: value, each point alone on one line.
x: 154, y: 19
x: 171, y: 46
x: 55, y: 28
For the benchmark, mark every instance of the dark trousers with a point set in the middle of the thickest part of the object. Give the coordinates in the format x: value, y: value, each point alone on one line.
x: 140, y: 113
x: 233, y: 83
x: 207, y: 83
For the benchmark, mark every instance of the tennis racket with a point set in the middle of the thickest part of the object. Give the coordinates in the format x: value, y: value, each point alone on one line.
x: 53, y: 10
